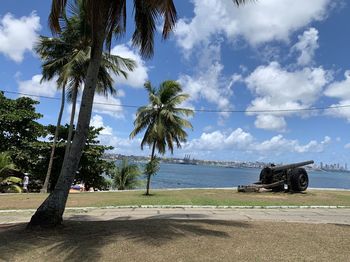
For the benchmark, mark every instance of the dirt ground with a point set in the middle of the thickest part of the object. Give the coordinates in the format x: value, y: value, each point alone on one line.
x: 176, y: 240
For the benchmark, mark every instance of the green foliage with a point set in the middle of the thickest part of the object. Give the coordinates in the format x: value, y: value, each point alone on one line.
x: 92, y: 170
x: 5, y: 163
x: 67, y: 56
x: 18, y: 126
x: 162, y: 120
x: 152, y: 167
x: 8, y: 182
x: 126, y: 176
x: 29, y: 154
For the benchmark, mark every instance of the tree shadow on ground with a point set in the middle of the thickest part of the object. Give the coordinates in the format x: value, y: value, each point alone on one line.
x: 83, y: 240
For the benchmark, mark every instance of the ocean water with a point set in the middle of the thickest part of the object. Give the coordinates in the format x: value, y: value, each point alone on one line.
x: 200, y: 176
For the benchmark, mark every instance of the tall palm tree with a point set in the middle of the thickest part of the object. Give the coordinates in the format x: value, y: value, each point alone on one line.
x: 162, y: 120
x: 67, y: 56
x: 106, y: 18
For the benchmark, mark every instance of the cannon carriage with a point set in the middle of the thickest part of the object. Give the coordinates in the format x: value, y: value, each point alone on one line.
x: 290, y: 178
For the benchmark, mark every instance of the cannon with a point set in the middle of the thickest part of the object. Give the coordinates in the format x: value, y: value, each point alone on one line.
x: 292, y: 178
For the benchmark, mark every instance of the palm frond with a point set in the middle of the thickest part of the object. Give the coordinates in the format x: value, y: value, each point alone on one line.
x: 168, y: 10
x: 145, y: 25
x: 58, y: 8
x: 116, y: 21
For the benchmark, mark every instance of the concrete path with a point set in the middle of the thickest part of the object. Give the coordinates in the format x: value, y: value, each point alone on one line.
x: 303, y: 215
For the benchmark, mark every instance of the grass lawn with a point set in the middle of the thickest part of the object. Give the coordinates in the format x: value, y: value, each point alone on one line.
x: 176, y: 240
x: 220, y: 197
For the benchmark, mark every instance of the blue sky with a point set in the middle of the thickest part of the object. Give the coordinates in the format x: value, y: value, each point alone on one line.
x: 268, y: 55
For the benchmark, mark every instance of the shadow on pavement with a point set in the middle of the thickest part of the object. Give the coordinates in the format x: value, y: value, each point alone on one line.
x: 81, y: 240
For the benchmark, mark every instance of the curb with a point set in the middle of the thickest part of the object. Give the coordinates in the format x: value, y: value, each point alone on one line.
x: 181, y: 207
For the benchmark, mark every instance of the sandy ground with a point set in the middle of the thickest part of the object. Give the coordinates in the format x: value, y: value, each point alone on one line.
x: 176, y: 240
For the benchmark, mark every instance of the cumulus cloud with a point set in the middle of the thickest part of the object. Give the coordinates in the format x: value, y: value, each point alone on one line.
x: 340, y: 90
x: 217, y: 140
x: 347, y: 146
x: 18, y: 35
x: 121, y: 145
x: 97, y: 122
x: 137, y: 77
x: 257, y: 23
x: 102, y: 105
x: 34, y: 87
x: 279, y: 144
x: 246, y: 143
x: 208, y: 82
x: 276, y: 88
x: 307, y: 45
x: 271, y: 122
x: 108, y: 106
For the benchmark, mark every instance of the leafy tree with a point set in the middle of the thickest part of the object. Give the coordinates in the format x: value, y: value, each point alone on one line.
x: 106, y: 18
x: 92, y: 170
x: 19, y: 131
x: 18, y: 126
x: 162, y: 121
x: 67, y: 56
x: 126, y: 176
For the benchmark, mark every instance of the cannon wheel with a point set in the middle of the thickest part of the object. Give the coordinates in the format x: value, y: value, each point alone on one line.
x: 299, y: 180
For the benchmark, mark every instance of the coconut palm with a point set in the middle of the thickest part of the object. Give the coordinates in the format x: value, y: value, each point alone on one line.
x: 125, y: 175
x: 106, y: 18
x: 162, y: 121
x: 67, y: 57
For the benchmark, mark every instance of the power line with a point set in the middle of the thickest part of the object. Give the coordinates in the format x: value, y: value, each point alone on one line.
x: 197, y: 110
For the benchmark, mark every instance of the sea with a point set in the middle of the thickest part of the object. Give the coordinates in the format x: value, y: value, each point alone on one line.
x: 202, y: 176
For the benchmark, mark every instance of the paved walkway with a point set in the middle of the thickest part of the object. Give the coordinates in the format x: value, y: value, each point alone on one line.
x: 303, y: 215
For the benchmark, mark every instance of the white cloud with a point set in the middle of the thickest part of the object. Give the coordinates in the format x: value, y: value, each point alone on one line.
x: 257, y: 23
x: 34, y: 87
x: 208, y: 85
x: 102, y: 105
x: 307, y: 45
x: 278, y: 144
x: 97, y: 122
x: 276, y: 88
x: 137, y: 77
x: 123, y: 146
x: 208, y: 82
x: 218, y: 140
x: 271, y: 122
x: 108, y: 106
x: 340, y: 90
x: 18, y: 35
x: 347, y: 146
x: 242, y: 141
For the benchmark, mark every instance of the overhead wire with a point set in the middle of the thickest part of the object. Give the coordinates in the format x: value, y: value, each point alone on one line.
x: 196, y: 110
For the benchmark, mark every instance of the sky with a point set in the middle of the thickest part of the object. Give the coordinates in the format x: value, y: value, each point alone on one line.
x: 263, y: 65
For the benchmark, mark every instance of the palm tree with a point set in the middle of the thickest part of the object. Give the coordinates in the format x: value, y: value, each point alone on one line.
x: 67, y: 56
x: 8, y: 182
x: 106, y: 18
x: 125, y: 176
x: 162, y: 121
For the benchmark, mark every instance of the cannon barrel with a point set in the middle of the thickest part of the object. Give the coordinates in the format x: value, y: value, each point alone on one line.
x: 291, y: 166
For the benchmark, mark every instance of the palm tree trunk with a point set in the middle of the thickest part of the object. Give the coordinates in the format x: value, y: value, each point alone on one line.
x: 71, y: 123
x: 50, y: 213
x: 49, y: 169
x: 149, y: 175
